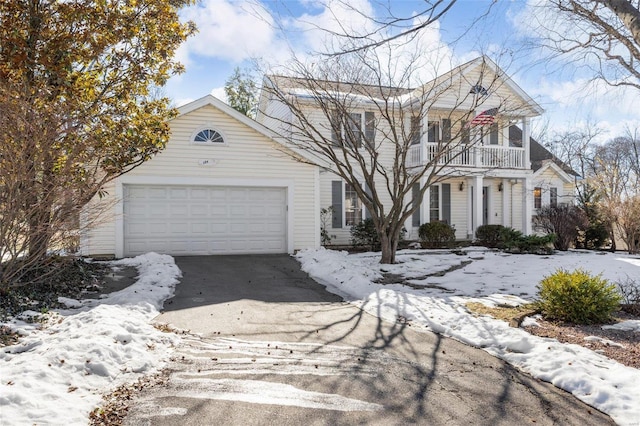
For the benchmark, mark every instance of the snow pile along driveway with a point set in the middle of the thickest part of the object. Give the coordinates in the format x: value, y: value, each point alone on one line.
x: 58, y: 374
x: 440, y: 283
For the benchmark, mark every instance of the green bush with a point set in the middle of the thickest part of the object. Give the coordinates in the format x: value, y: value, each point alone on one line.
x: 596, y: 236
x: 490, y: 235
x: 577, y: 297
x: 510, y: 234
x: 436, y: 234
x: 530, y: 244
x: 365, y: 234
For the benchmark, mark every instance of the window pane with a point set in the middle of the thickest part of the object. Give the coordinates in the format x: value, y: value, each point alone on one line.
x: 553, y: 197
x: 537, y: 197
x: 370, y: 128
x: 354, y: 129
x: 434, y: 204
x: 208, y: 136
x: 434, y: 132
x: 352, y: 206
x: 465, y: 133
x: 493, y: 134
x: 446, y: 130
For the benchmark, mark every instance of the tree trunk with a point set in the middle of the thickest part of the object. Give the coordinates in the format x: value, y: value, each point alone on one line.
x: 389, y: 247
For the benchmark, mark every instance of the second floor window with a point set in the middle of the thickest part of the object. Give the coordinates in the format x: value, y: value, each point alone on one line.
x: 433, y: 132
x: 351, y: 129
x: 493, y: 134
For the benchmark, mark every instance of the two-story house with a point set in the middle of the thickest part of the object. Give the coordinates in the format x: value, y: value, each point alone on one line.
x: 227, y: 184
x: 475, y: 130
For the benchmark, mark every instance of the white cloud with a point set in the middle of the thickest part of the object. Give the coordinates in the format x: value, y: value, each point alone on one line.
x: 219, y: 93
x: 182, y: 101
x: 228, y: 30
x: 571, y: 102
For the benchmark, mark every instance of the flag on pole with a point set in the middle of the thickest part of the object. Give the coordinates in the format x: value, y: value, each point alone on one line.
x: 485, y: 118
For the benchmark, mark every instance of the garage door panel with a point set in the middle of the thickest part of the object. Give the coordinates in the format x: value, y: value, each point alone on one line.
x: 199, y: 194
x: 198, y: 210
x: 276, y: 211
x: 238, y: 210
x: 179, y: 193
x: 156, y: 210
x: 157, y: 193
x: 180, y: 210
x: 184, y: 220
x: 178, y: 228
x: 199, y: 228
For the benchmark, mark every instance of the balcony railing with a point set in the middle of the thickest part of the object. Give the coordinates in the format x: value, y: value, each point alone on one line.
x: 463, y: 156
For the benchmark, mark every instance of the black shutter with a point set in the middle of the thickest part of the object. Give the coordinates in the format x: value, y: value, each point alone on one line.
x: 336, y: 203
x: 446, y: 202
x: 415, y: 192
x: 335, y: 127
x: 416, y: 130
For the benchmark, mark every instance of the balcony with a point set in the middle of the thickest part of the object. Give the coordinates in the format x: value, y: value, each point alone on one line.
x: 462, y: 156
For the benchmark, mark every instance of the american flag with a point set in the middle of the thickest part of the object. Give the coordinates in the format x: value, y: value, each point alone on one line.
x: 485, y: 118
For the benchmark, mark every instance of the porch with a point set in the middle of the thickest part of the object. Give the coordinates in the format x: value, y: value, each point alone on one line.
x: 460, y: 155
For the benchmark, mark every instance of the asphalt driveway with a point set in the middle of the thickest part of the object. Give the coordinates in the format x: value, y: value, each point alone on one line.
x: 274, y: 347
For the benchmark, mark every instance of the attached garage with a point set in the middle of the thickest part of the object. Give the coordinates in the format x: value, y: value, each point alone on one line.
x: 202, y: 220
x: 224, y: 184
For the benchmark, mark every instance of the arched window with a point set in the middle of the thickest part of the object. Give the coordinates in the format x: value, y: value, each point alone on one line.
x: 208, y: 136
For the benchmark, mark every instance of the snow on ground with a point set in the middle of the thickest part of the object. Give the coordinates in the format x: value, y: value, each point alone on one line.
x: 490, y: 277
x: 57, y: 374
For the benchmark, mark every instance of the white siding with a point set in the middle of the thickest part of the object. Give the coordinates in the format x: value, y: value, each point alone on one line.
x: 516, y: 212
x: 247, y: 157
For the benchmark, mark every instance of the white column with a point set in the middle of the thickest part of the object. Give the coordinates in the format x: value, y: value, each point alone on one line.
x: 467, y: 187
x: 477, y: 145
x: 477, y: 203
x: 424, y: 134
x: 424, y: 207
x: 527, y: 195
x: 526, y: 135
x: 506, y: 220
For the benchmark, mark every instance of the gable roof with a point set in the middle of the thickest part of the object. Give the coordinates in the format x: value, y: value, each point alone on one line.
x: 306, y: 86
x: 248, y: 121
x: 538, y: 154
x: 484, y: 61
x: 371, y: 90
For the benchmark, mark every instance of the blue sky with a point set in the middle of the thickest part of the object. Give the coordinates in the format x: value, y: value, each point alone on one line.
x: 232, y: 32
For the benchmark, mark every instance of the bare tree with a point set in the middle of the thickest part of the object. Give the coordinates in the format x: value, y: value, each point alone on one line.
x: 377, y: 152
x: 601, y: 35
x: 628, y: 214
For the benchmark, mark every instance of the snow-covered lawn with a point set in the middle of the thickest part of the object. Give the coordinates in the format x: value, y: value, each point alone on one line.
x: 58, y: 374
x: 489, y: 277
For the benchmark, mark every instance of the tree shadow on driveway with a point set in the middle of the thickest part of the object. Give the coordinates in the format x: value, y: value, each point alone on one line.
x: 417, y: 376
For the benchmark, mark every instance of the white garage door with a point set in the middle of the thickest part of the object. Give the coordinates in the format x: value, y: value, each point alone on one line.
x: 187, y: 220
